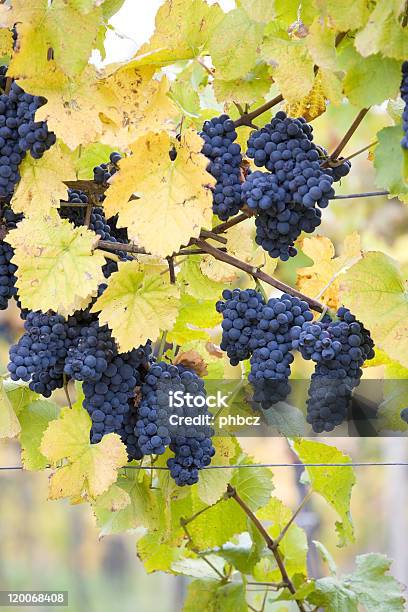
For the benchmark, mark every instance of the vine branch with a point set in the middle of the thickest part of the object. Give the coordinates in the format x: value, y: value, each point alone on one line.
x: 257, y: 273
x: 348, y: 134
x: 270, y: 543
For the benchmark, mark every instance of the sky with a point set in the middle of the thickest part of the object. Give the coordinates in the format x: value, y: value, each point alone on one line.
x: 134, y: 25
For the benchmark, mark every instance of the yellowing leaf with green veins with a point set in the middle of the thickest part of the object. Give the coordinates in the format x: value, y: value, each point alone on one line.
x: 321, y: 44
x: 292, y: 66
x: 90, y: 468
x: 214, y: 595
x: 194, y: 317
x: 175, y: 201
x: 332, y: 85
x: 247, y: 89
x: 322, y: 279
x: 234, y: 61
x: 41, y: 188
x: 332, y: 483
x: 347, y: 15
x: 213, y: 483
x: 34, y: 421
x: 195, y: 283
x: 140, y: 104
x: 9, y: 423
x: 6, y: 42
x: 258, y: 10
x: 376, y: 292
x: 388, y: 162
x: 73, y: 105
x: 57, y: 267
x: 384, y: 32
x: 136, y: 305
x: 39, y: 26
x: 182, y: 31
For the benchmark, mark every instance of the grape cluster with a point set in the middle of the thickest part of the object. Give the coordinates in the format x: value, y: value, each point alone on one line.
x: 104, y: 172
x: 271, y: 360
x: 240, y: 312
x: 92, y: 353
x: 404, y: 96
x: 225, y: 157
x: 107, y: 400
x: 7, y: 274
x: 191, y: 444
x: 339, y: 348
x: 127, y: 432
x: 287, y: 198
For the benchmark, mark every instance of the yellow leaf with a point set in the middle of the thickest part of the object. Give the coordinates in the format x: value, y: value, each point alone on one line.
x: 9, y: 424
x: 6, y: 42
x: 321, y: 44
x: 322, y: 278
x: 90, y: 468
x: 140, y: 105
x: 312, y: 105
x: 42, y: 25
x: 174, y: 199
x: 182, y: 31
x: 57, y: 268
x: 137, y: 306
x: 73, y: 105
x: 41, y: 188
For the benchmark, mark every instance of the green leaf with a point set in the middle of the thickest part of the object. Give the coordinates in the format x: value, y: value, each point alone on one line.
x: 332, y: 483
x: 244, y: 556
x: 234, y: 61
x: 213, y: 483
x: 198, y: 568
x: 214, y: 597
x: 186, y: 97
x: 326, y: 556
x: 389, y: 162
x: 258, y: 10
x: 111, y: 7
x: 376, y: 590
x: 34, y: 421
x: 9, y: 423
x: 193, y: 318
x: 19, y: 394
x: 247, y: 89
x: 375, y: 291
x: 345, y: 15
x: 253, y: 485
x: 195, y: 283
x: 90, y: 156
x: 384, y: 33
x: 332, y: 595
x: 362, y: 89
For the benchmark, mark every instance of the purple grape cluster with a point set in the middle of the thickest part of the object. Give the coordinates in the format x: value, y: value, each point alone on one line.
x: 225, y: 157
x: 339, y: 348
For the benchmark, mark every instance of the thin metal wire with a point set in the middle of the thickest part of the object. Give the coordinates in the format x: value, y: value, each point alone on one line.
x: 255, y: 465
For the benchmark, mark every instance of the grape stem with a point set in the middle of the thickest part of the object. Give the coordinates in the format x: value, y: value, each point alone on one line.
x: 257, y: 273
x: 270, y: 542
x: 367, y: 194
x: 172, y: 272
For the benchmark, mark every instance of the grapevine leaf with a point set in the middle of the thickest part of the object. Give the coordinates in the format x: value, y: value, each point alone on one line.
x: 331, y: 594
x: 244, y: 555
x: 193, y: 319
x: 375, y: 588
x: 198, y: 568
x: 186, y: 97
x: 332, y: 483
x: 349, y: 15
x: 19, y: 394
x: 213, y: 483
x: 182, y: 32
x: 293, y: 545
x: 41, y: 188
x: 34, y: 421
x: 375, y: 290
x: 326, y: 557
x: 388, y: 162
x: 127, y: 504
x: 89, y: 468
x: 312, y: 105
x: 73, y: 106
x: 293, y: 66
x: 56, y: 266
x: 359, y: 86
x: 253, y: 486
x: 322, y: 279
x: 234, y: 61
x: 195, y: 283
x: 210, y: 529
x: 111, y: 7
x: 9, y: 424
x: 173, y: 196
x: 90, y: 156
x: 321, y: 44
x: 247, y: 89
x: 258, y: 10
x: 6, y: 42
x: 213, y: 595
x: 383, y: 33
x: 39, y: 27
x: 147, y: 304
x: 139, y: 104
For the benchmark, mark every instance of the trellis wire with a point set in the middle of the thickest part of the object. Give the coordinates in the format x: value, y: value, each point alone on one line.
x: 254, y: 465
